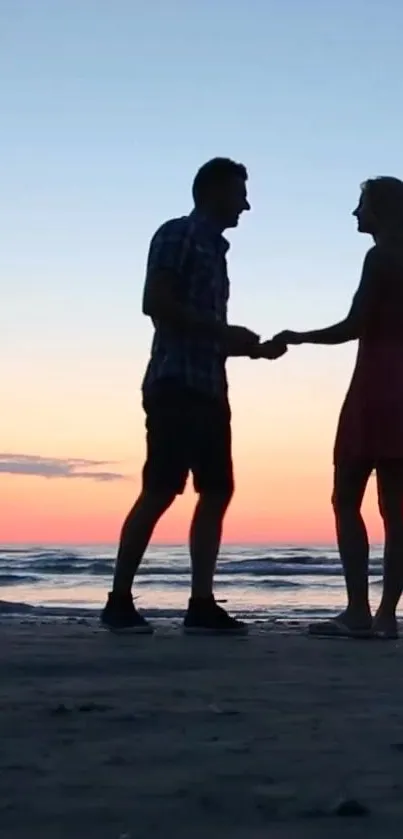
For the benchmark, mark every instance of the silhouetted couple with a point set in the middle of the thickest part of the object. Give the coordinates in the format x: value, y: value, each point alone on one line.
x: 188, y: 417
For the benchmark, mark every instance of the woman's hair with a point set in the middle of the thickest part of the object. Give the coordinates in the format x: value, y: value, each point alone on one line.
x: 386, y: 200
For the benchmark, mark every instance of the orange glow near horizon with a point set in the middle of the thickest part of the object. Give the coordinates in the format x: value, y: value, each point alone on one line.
x: 283, y: 428
x: 59, y: 511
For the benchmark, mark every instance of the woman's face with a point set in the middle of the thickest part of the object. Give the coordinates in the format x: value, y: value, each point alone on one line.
x: 366, y: 222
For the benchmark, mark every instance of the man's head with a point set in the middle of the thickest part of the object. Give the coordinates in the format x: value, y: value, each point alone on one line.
x: 380, y: 208
x: 219, y: 189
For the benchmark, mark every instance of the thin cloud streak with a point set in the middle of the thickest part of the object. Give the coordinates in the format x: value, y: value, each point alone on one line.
x: 56, y: 467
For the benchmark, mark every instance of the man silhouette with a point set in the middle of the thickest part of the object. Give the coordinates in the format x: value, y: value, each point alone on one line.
x: 185, y: 394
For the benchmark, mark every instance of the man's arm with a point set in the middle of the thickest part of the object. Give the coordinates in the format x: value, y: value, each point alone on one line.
x: 166, y: 258
x: 160, y: 304
x: 351, y: 327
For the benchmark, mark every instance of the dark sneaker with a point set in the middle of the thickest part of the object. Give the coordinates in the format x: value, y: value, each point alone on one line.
x: 121, y: 615
x: 205, y: 617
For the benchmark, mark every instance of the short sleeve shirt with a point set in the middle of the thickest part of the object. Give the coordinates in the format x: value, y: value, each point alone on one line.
x: 194, y: 252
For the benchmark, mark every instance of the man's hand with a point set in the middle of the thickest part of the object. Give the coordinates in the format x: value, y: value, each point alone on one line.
x: 240, y: 340
x: 289, y: 337
x: 271, y: 349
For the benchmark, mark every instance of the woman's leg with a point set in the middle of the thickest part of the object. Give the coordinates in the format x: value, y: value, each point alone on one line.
x: 390, y: 495
x: 350, y: 482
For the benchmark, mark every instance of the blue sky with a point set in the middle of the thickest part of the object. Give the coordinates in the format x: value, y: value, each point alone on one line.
x: 108, y: 109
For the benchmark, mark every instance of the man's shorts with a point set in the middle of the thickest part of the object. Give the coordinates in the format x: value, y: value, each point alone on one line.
x: 187, y: 431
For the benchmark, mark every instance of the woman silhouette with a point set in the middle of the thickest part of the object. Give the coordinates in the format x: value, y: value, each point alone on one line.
x: 370, y: 429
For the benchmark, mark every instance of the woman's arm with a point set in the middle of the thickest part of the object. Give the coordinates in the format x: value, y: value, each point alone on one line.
x: 339, y: 333
x: 351, y: 327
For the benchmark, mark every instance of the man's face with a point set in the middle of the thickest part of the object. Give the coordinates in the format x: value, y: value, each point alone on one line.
x: 366, y: 222
x: 231, y: 201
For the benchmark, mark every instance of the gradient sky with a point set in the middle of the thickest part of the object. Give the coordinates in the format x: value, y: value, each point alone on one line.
x: 108, y: 108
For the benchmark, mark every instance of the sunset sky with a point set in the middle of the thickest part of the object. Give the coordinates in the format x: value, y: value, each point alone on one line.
x: 108, y: 108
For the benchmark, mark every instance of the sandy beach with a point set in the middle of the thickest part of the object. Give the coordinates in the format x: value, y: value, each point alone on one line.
x: 106, y: 737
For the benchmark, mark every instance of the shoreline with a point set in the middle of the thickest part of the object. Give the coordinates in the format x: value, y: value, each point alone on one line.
x: 165, y: 621
x: 171, y: 736
x: 262, y: 621
x: 20, y: 613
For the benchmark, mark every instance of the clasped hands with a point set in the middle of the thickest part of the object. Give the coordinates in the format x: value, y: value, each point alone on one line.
x: 255, y: 348
x: 276, y: 346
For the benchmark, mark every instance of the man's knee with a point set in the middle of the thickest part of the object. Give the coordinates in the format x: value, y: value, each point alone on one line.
x: 217, y: 501
x: 155, y: 503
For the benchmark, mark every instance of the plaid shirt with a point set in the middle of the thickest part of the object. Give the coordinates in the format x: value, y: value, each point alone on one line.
x: 195, y: 252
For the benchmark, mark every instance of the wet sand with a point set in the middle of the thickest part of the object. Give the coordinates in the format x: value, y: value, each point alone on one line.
x: 107, y: 737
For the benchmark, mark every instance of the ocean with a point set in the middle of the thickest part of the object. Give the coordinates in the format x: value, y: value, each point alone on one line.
x: 256, y: 582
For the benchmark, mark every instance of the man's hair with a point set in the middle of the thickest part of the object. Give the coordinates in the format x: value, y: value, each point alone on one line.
x: 386, y: 199
x: 215, y: 172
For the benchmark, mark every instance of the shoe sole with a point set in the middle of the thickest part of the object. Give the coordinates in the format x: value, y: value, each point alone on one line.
x: 201, y: 630
x: 128, y: 630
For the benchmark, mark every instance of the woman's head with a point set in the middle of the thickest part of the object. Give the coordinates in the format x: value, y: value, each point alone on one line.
x: 380, y: 208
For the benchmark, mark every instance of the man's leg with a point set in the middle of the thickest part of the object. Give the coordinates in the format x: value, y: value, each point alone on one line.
x: 390, y: 495
x: 205, y: 540
x: 120, y: 613
x: 164, y: 476
x: 136, y: 533
x: 211, y: 461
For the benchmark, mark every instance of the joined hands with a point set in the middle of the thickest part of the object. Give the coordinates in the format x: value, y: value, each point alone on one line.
x: 271, y: 350
x: 278, y: 345
x: 289, y: 337
x: 244, y: 341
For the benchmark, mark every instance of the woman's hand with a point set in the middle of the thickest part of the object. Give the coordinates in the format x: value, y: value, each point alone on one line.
x: 289, y: 337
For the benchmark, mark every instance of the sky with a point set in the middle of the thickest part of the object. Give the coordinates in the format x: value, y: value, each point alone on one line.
x: 108, y: 109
